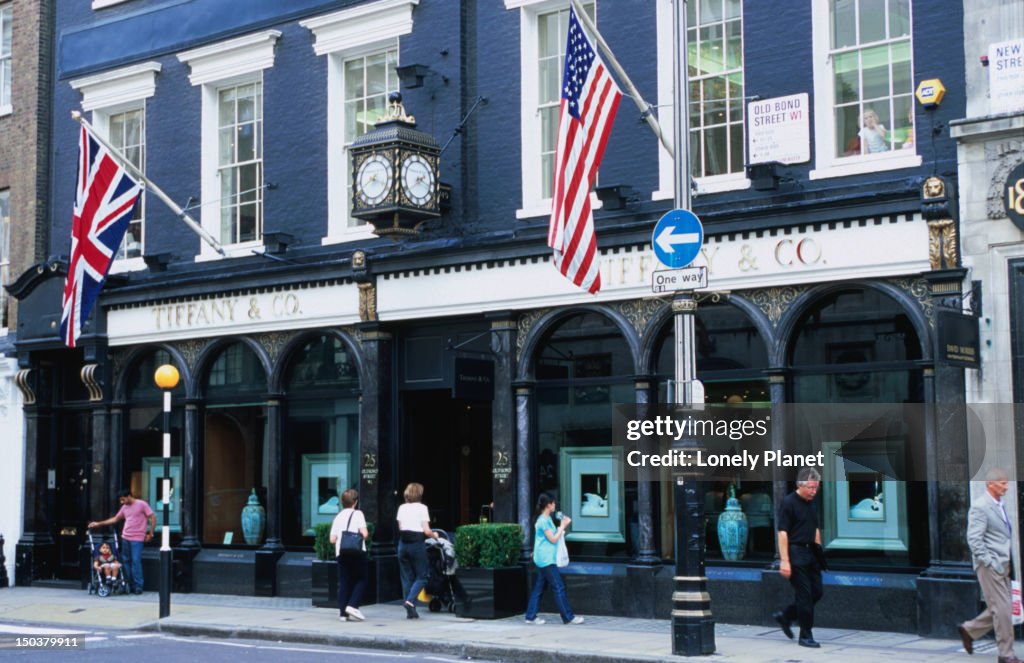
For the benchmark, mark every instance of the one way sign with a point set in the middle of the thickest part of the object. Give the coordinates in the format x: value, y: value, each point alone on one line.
x: 677, y: 238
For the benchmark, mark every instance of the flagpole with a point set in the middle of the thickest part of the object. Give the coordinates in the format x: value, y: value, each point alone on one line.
x: 646, y: 110
x: 181, y: 214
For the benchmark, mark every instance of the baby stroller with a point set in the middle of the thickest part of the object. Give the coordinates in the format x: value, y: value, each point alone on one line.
x: 441, y: 582
x: 99, y: 583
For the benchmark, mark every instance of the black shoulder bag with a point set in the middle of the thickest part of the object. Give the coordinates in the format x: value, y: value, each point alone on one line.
x: 351, y: 542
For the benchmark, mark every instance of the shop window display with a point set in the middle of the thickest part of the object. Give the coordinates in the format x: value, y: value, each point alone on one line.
x: 235, y: 462
x: 321, y: 426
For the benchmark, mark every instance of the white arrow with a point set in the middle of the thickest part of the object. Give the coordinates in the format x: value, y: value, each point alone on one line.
x: 666, y: 239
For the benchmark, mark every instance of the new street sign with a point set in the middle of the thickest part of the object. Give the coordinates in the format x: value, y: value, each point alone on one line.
x: 677, y: 238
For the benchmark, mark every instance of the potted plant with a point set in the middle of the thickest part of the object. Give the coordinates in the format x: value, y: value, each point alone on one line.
x: 493, y: 581
x: 324, y: 576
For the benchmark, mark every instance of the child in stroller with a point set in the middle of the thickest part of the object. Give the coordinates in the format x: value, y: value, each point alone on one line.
x: 106, y: 577
x: 442, y: 585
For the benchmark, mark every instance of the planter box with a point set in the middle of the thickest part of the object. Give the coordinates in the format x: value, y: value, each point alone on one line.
x: 491, y: 593
x: 324, y: 584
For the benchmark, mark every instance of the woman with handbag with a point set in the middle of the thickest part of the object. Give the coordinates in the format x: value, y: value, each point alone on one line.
x: 546, y: 539
x: 413, y: 529
x: 348, y: 534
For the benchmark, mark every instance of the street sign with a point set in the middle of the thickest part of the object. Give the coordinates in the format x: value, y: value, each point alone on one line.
x: 677, y: 238
x: 672, y: 280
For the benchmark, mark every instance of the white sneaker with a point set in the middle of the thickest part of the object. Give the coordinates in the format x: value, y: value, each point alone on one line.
x: 536, y: 622
x: 342, y: 618
x: 354, y: 613
x: 576, y: 620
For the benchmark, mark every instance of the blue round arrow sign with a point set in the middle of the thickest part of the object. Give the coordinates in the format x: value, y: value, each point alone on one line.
x: 677, y: 238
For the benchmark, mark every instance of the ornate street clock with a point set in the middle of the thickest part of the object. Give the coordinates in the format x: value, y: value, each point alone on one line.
x: 394, y: 174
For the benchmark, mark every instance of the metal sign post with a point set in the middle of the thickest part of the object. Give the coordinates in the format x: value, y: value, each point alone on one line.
x: 693, y: 627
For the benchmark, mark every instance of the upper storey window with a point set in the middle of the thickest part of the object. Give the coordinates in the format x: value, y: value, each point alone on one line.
x: 544, y: 25
x: 117, y: 100
x: 230, y: 76
x: 864, y: 86
x: 361, y: 44
x: 6, y: 39
x: 715, y: 42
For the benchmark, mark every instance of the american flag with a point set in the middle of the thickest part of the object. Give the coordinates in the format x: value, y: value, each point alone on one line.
x: 590, y: 99
x: 105, y: 199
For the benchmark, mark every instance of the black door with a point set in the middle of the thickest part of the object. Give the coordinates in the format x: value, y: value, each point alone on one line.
x: 74, y: 454
x: 447, y: 448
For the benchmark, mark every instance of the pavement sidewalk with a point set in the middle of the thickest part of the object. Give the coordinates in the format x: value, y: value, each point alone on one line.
x: 599, y: 640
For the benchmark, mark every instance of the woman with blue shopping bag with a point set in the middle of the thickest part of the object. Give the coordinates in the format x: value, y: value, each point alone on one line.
x: 546, y: 540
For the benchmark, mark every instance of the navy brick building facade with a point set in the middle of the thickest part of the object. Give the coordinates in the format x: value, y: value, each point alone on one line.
x: 329, y: 361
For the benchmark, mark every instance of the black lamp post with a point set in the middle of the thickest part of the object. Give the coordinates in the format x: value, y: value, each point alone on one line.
x: 166, y: 377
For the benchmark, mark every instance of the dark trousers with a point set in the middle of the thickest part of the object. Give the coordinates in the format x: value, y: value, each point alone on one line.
x: 412, y: 564
x: 549, y: 576
x: 351, y: 580
x: 806, y: 581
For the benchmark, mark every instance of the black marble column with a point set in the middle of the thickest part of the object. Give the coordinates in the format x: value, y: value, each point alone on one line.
x: 947, y: 590
x: 646, y: 552
x: 378, y: 454
x: 524, y: 463
x: 272, y: 549
x: 780, y: 434
x: 503, y: 429
x: 115, y: 461
x: 190, y: 478
x: 99, y: 474
x: 36, y: 549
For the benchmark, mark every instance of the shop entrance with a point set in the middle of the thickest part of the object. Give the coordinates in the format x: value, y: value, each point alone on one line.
x: 71, y: 487
x: 446, y: 446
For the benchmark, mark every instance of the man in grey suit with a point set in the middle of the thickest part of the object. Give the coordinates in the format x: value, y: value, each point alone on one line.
x: 989, y: 535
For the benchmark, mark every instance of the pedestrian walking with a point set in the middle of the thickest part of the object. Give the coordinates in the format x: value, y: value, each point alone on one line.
x: 545, y: 550
x: 135, y: 513
x: 802, y: 557
x: 352, y: 567
x: 413, y: 530
x: 989, y: 535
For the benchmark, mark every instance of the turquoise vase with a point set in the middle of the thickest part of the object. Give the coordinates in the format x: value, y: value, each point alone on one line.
x: 732, y: 529
x: 254, y: 519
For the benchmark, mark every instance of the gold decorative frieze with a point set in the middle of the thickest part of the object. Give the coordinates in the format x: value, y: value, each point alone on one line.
x: 526, y: 322
x: 776, y: 301
x: 639, y: 312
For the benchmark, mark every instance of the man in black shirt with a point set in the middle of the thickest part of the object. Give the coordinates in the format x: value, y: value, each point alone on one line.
x: 800, y: 553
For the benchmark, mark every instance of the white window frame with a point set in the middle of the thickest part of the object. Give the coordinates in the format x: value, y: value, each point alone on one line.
x: 340, y: 36
x: 7, y: 14
x: 827, y: 164
x: 533, y: 203
x: 228, y: 63
x: 110, y: 93
x: 666, y: 118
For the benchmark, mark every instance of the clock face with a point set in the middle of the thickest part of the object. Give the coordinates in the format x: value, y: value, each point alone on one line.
x: 418, y: 180
x: 373, y: 181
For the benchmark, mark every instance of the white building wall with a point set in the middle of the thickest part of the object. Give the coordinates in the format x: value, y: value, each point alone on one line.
x: 12, y: 450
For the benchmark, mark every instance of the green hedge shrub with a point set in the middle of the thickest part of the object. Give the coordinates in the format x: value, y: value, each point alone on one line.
x: 488, y: 545
x: 323, y: 547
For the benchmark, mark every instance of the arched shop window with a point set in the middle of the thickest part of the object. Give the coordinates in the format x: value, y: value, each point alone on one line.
x: 321, y: 456
x: 583, y: 368
x: 234, y: 446
x: 853, y: 347
x: 731, y: 358
x: 143, y: 461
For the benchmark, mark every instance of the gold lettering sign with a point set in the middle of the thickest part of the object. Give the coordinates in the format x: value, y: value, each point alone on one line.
x: 225, y: 311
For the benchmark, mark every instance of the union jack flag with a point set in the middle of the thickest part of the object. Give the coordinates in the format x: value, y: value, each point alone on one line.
x: 590, y: 99
x: 105, y: 199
